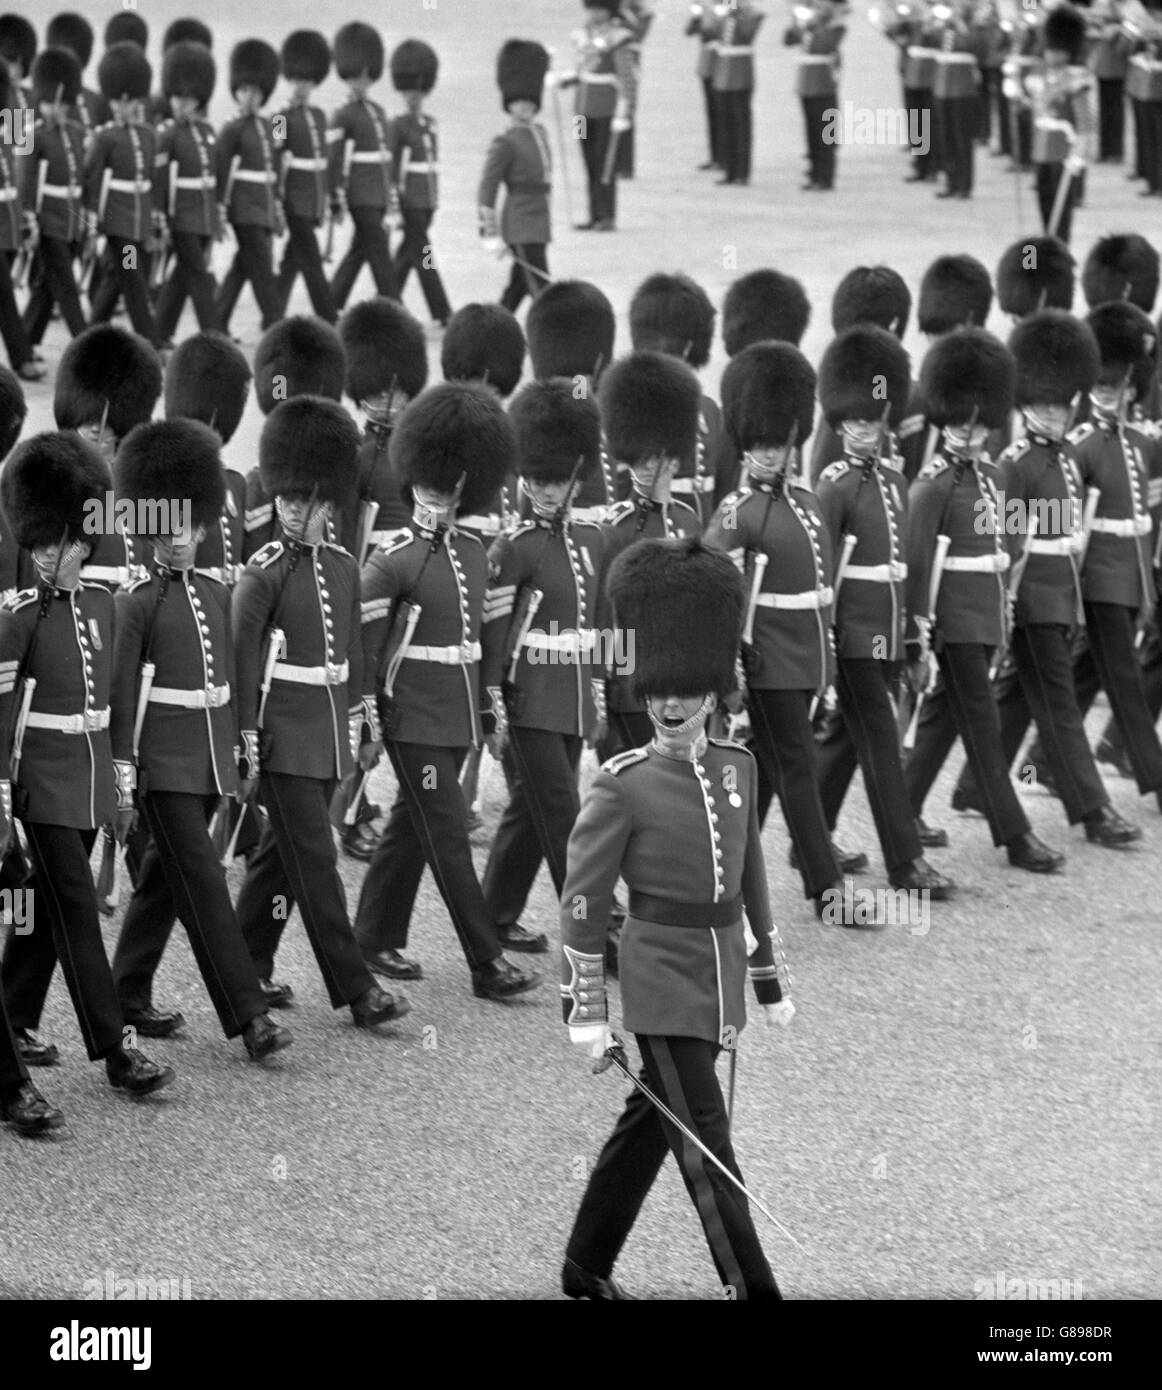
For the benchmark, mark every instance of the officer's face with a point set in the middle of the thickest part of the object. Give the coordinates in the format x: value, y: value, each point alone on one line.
x: 678, y: 719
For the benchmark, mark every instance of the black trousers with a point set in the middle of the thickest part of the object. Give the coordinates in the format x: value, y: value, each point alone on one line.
x: 536, y: 824
x: 302, y: 257
x: 428, y: 824
x: 1111, y: 98
x: 127, y: 276
x: 525, y: 279
x: 736, y: 127
x: 595, y: 150
x: 1151, y: 144
x: 713, y: 137
x: 920, y: 104
x: 12, y: 1069
x: 1048, y: 178
x: 295, y: 863
x: 869, y: 736
x: 11, y: 324
x: 53, y: 282
x: 181, y: 874
x: 820, y: 151
x: 191, y: 279
x: 369, y: 246
x: 1150, y: 668
x: 680, y: 1072
x: 66, y: 902
x: 971, y: 702
x: 957, y: 129
x: 784, y: 744
x: 415, y: 253
x: 254, y: 262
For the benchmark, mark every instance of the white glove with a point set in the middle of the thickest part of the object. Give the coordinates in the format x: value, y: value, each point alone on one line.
x: 782, y: 1013
x: 594, y: 1039
x: 494, y: 246
x: 1076, y: 164
x: 550, y: 79
x: 621, y: 124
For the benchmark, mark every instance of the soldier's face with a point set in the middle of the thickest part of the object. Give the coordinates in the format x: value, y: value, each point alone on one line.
x: 413, y: 101
x: 1050, y: 420
x: 301, y: 91
x: 547, y: 497
x: 522, y: 110
x: 178, y: 551
x: 101, y: 437
x: 303, y: 519
x: 61, y: 562
x: 678, y: 719
x: 383, y: 408
x: 249, y: 98
x: 183, y: 108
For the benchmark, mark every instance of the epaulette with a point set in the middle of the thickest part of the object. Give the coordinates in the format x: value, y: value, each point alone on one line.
x: 404, y: 538
x: 138, y: 583
x: 212, y: 578
x: 584, y: 521
x: 13, y: 603
x: 620, y: 761
x: 936, y: 465
x: 1018, y: 449
x: 269, y: 553
x: 729, y: 743
x: 620, y: 510
x: 1152, y: 429
x: 800, y: 482
x: 1080, y: 433
x: 334, y: 545
x: 738, y: 496
x: 834, y: 471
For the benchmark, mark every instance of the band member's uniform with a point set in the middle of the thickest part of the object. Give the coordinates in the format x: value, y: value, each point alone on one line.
x: 703, y: 26
x: 819, y: 36
x: 606, y: 95
x: 1064, y: 119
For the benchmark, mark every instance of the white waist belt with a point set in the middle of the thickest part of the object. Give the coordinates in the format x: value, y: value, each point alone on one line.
x: 1062, y: 545
x: 254, y: 176
x: 224, y: 574
x: 1132, y: 526
x: 314, y: 166
x: 132, y: 185
x: 445, y: 656
x: 212, y: 698
x: 878, y: 574
x: 106, y: 574
x: 579, y: 641
x: 202, y: 182
x: 485, y: 525
x: 61, y: 190
x: 91, y: 721
x: 610, y: 78
x: 942, y: 57
x: 807, y: 57
x: 371, y: 157
x: 917, y: 51
x: 690, y: 485
x: 744, y: 50
x: 810, y: 598
x: 1054, y: 123
x: 310, y: 675
x: 978, y: 564
x: 7, y: 195
x: 424, y: 168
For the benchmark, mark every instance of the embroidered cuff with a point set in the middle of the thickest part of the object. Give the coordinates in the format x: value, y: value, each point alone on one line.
x: 248, y: 763
x: 126, y: 775
x: 599, y: 700
x: 583, y: 999
x: 371, y: 721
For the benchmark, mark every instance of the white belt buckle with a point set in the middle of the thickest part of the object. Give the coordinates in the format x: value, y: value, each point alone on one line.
x: 91, y: 721
x: 335, y: 674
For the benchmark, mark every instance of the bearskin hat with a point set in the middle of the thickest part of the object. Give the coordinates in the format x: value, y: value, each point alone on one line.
x: 683, y: 602
x: 1127, y: 341
x: 17, y: 40
x: 253, y: 63
x: 650, y: 404
x: 173, y: 461
x: 188, y: 70
x: 1034, y: 273
x: 127, y: 27
x: 13, y: 409
x: 766, y: 304
x: 358, y: 48
x: 56, y: 71
x: 187, y: 31
x: 1057, y: 358
x: 1065, y: 31
x: 124, y: 73
x: 672, y: 314
x: 968, y: 370
x: 521, y: 66
x: 106, y: 368
x: 452, y: 430
x: 554, y: 429
x: 956, y: 292
x: 863, y: 370
x: 414, y: 66
x: 72, y: 31
x: 208, y: 379
x: 484, y: 343
x: 298, y: 356
x: 386, y: 348
x: 570, y: 328
x: 1121, y: 267
x: 310, y: 446
x: 306, y: 56
x: 46, y: 485
x: 871, y: 294
x: 768, y: 390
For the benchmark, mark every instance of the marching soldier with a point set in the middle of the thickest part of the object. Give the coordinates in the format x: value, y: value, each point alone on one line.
x: 1062, y: 99
x: 298, y: 658
x: 677, y: 821
x: 362, y: 177
x: 413, y: 159
x: 958, y: 580
x: 308, y: 178
x: 863, y: 389
x: 56, y: 660
x: 423, y: 600
x: 157, y: 108
x: 733, y: 81
x: 1109, y: 61
x: 818, y: 30
x: 74, y: 32
x: 174, y: 730
x: 774, y: 532
x: 299, y: 356
x: 538, y: 640
x: 762, y: 305
x: 520, y: 161
x: 955, y: 292
x: 187, y: 187
x: 247, y: 159
x: 606, y: 82
x: 1122, y: 266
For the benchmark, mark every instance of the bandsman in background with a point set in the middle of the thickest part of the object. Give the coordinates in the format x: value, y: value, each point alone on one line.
x: 736, y: 27
x: 519, y: 161
x: 18, y: 49
x: 187, y: 183
x: 74, y: 32
x: 818, y: 31
x: 538, y: 637
x: 248, y: 159
x: 299, y: 662
x: 17, y: 245
x: 1144, y: 89
x: 774, y: 532
x: 956, y: 92
x: 56, y: 663
x: 1064, y: 118
x: 414, y: 153
x: 606, y: 83
x: 423, y: 602
x: 920, y: 36
x: 703, y: 25
x: 308, y: 177
x: 677, y: 820
x: 362, y: 173
x: 1109, y: 61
